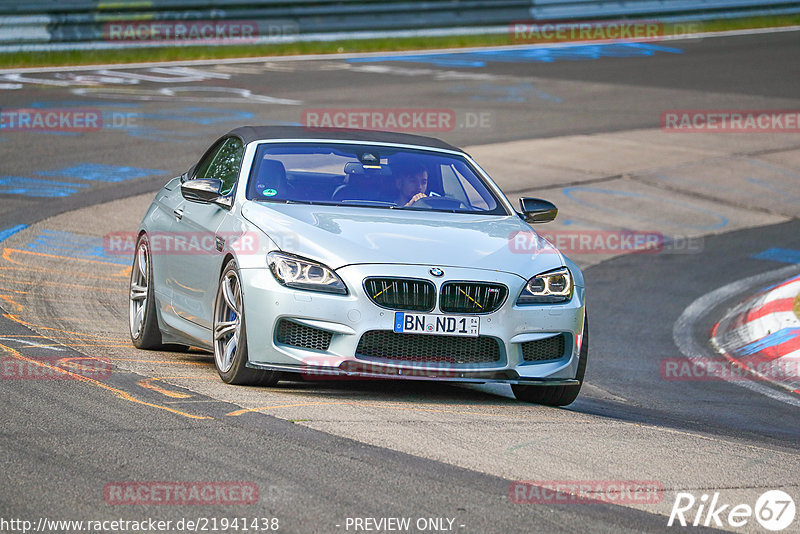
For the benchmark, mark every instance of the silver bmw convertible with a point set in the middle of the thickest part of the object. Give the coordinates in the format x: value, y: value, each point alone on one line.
x: 296, y: 252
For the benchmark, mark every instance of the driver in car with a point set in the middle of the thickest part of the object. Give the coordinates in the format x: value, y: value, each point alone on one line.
x: 411, y: 184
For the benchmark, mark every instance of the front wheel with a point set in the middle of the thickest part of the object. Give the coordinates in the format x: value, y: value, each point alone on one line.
x: 557, y: 395
x: 230, y: 335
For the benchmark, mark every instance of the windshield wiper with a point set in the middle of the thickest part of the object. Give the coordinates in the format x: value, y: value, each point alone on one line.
x: 368, y: 202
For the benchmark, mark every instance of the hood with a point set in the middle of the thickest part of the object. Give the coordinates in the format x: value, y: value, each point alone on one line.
x: 344, y: 235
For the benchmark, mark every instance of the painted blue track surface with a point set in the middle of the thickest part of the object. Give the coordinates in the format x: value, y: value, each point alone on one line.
x: 70, y: 179
x: 776, y: 338
x: 8, y: 232
x: 102, y: 173
x: 784, y: 255
x: 584, y: 195
x: 532, y: 54
x: 75, y: 245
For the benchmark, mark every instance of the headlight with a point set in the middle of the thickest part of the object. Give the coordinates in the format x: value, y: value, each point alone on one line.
x: 552, y: 286
x: 299, y: 273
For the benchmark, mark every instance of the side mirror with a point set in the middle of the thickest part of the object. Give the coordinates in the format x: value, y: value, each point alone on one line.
x: 536, y: 210
x: 201, y: 190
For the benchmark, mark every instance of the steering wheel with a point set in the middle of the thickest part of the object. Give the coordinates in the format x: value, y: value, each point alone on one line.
x: 440, y: 203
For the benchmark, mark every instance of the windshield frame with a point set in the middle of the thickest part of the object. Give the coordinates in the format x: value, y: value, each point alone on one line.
x: 249, y: 169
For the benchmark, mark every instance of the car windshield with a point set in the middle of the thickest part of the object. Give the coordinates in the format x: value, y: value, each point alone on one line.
x: 370, y: 176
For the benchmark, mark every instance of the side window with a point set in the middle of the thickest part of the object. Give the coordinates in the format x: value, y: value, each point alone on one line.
x: 224, y: 164
x: 201, y: 169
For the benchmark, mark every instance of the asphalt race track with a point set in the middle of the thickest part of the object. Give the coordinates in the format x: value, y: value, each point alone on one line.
x: 579, y: 126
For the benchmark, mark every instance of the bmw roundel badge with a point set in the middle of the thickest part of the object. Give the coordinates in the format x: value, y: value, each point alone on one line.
x: 437, y: 272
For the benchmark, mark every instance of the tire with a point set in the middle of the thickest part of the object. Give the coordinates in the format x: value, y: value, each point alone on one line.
x: 142, y: 319
x: 230, y: 335
x: 557, y: 395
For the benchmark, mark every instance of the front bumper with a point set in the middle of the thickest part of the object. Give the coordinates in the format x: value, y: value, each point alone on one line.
x: 346, y: 318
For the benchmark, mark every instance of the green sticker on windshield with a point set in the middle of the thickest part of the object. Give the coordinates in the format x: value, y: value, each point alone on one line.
x: 269, y: 192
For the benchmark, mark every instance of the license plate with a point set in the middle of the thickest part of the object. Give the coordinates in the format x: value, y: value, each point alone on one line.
x: 443, y: 325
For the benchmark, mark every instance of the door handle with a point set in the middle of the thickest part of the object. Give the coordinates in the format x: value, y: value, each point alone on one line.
x: 178, y: 212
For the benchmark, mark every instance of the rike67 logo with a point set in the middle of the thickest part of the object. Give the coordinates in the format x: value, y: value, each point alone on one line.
x: 774, y: 510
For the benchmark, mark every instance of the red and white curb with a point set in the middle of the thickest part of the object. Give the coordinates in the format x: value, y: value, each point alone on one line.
x: 762, y: 334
